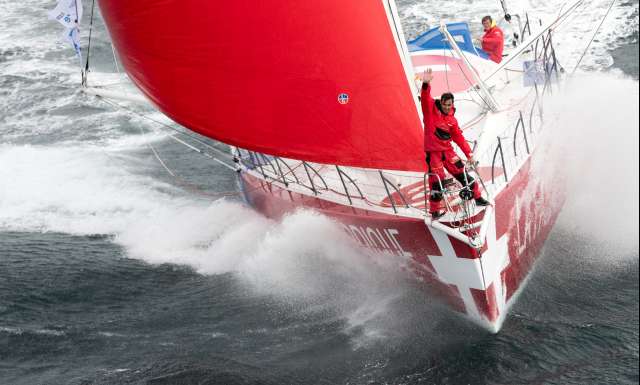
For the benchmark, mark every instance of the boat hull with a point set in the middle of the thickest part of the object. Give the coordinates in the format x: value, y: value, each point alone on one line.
x: 479, y: 282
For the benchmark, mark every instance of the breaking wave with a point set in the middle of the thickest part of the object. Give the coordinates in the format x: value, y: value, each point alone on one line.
x: 595, y: 141
x: 305, y: 259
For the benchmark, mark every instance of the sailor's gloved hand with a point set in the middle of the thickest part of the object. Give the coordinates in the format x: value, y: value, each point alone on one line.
x: 471, y: 162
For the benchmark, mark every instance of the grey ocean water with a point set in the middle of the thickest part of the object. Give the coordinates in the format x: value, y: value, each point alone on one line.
x: 114, y: 272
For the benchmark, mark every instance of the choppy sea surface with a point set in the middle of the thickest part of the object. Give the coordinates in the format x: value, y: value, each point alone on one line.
x: 112, y: 271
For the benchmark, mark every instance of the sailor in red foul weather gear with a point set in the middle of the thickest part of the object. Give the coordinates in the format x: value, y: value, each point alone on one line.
x: 440, y: 128
x: 492, y: 40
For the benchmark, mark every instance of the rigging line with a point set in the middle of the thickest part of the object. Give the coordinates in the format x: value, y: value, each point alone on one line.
x: 185, y: 184
x: 172, y: 136
x: 473, y: 122
x: 202, y: 152
x: 562, y: 18
x: 446, y: 68
x: 115, y: 58
x: 191, y: 136
x: 567, y: 22
x: 86, y: 66
x: 504, y: 7
x: 78, y: 29
x: 563, y: 5
x: 181, y: 181
x: 593, y: 37
x: 105, y: 86
x: 472, y: 86
x: 76, y: 8
x: 562, y: 8
x: 155, y: 153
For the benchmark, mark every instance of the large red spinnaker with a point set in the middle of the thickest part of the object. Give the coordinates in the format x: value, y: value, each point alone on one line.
x: 317, y: 80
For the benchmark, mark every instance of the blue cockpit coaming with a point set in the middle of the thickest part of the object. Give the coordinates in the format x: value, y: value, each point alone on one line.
x: 434, y: 39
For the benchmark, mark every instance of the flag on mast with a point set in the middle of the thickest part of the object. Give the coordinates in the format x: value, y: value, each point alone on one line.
x: 72, y: 35
x: 69, y: 14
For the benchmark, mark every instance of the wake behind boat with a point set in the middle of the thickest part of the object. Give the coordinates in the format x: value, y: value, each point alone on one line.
x: 324, y: 113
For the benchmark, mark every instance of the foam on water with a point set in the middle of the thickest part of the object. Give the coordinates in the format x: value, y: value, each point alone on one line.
x: 596, y: 140
x: 74, y: 190
x: 305, y: 259
x: 75, y: 187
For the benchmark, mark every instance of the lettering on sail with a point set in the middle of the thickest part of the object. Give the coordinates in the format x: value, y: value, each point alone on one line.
x: 382, y: 240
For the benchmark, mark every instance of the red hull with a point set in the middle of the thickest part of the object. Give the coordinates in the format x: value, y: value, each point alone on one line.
x: 480, y: 285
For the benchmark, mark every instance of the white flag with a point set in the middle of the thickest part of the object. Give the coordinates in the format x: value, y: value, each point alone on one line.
x: 67, y: 12
x: 72, y: 35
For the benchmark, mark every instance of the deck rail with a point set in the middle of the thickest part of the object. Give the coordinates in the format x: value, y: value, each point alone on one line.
x: 406, y: 191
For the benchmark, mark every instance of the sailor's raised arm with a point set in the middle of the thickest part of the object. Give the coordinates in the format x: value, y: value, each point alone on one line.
x: 426, y: 100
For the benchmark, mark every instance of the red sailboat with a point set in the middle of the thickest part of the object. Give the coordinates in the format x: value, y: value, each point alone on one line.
x: 319, y: 102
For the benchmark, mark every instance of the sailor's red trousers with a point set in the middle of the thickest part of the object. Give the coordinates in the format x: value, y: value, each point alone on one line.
x: 437, y: 162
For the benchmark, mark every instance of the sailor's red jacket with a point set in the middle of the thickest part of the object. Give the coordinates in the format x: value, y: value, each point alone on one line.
x: 493, y: 43
x: 440, y: 129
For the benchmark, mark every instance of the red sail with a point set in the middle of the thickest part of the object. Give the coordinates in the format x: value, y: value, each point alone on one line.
x: 317, y: 80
